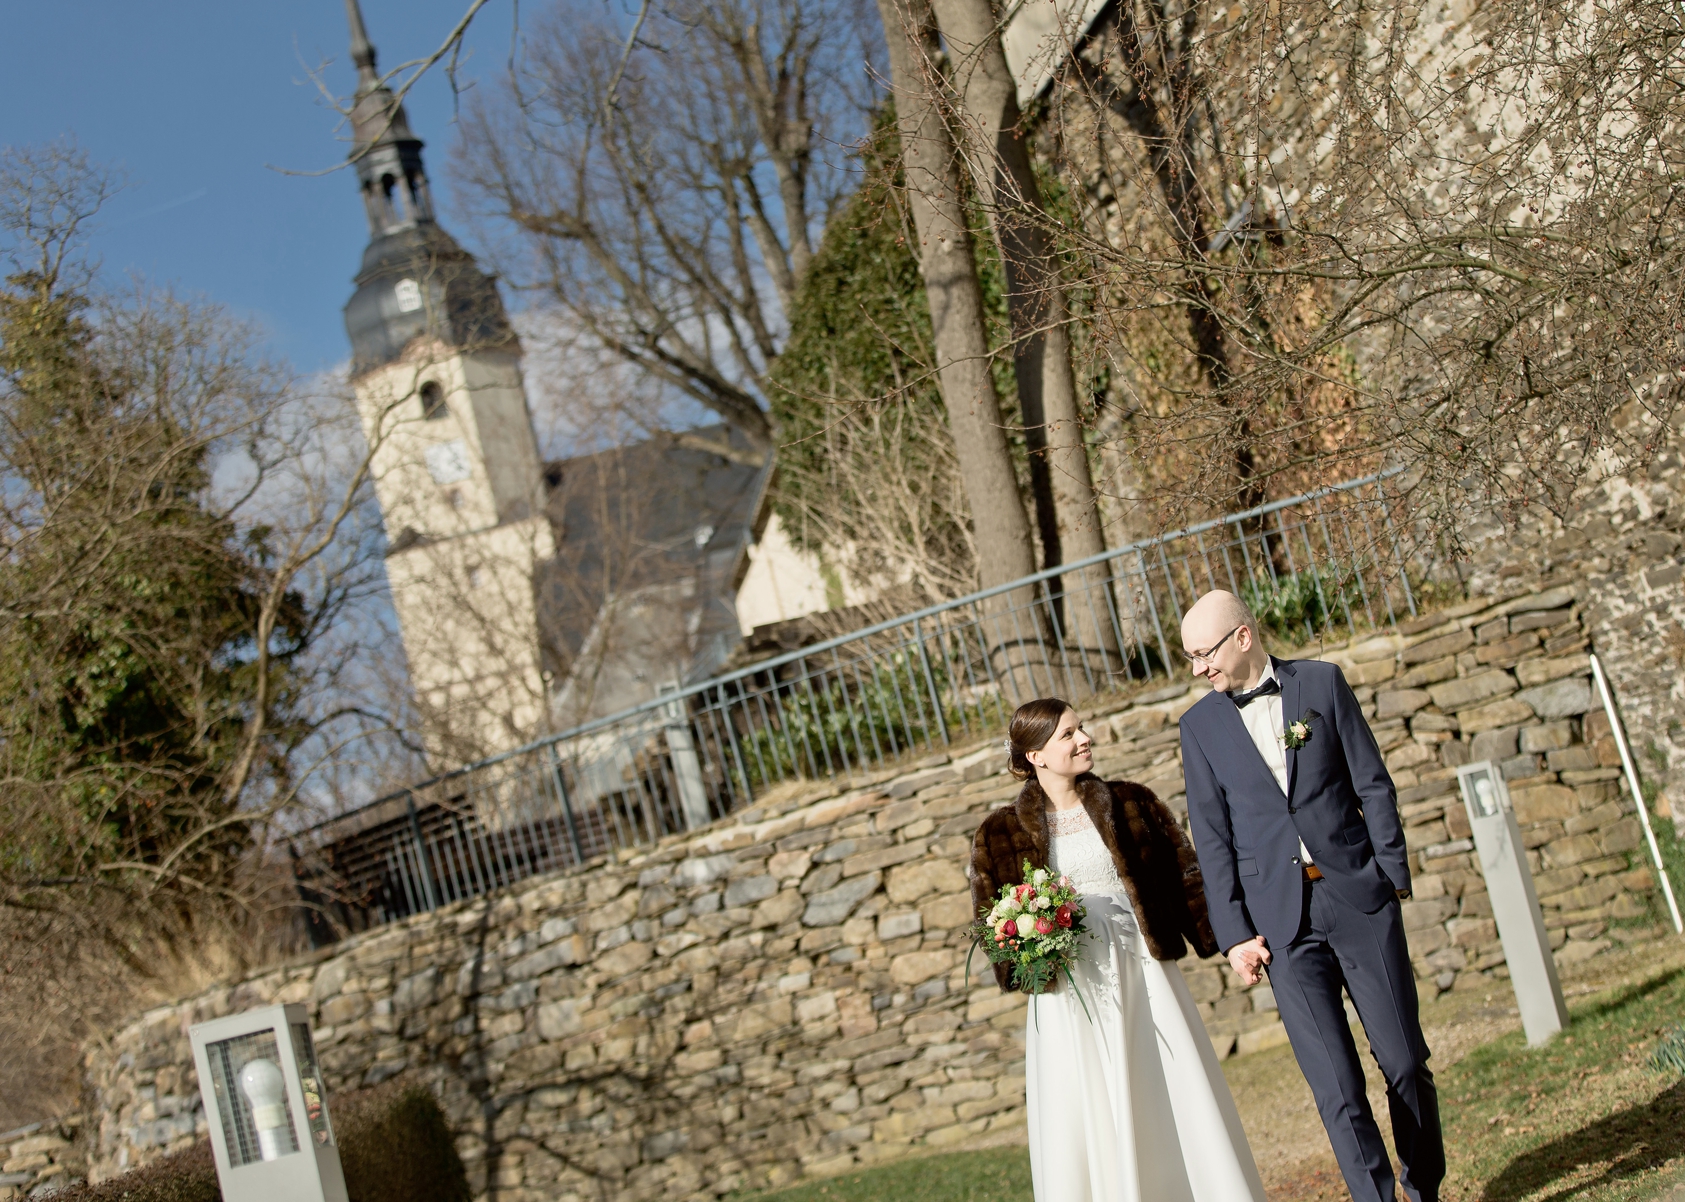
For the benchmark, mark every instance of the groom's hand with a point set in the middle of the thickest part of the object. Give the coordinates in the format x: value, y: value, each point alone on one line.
x: 1248, y: 959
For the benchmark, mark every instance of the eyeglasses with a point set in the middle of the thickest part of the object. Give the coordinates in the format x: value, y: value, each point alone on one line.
x: 1204, y: 657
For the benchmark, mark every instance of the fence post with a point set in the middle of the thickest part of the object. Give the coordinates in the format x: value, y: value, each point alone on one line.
x: 567, y: 805
x: 427, y: 885
x: 687, y: 768
x: 930, y: 684
x: 1403, y: 567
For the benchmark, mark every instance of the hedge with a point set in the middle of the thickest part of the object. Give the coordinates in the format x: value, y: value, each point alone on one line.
x: 393, y: 1142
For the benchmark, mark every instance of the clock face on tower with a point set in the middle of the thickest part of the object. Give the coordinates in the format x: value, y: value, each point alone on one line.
x: 436, y: 368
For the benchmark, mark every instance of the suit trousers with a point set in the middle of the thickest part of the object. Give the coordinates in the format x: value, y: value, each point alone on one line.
x: 1341, y: 948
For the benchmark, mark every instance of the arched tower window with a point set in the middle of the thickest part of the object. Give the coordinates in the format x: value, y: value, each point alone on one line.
x: 433, y: 407
x: 394, y: 197
x: 419, y: 201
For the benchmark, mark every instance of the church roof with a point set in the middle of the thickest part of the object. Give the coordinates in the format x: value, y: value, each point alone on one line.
x: 447, y: 297
x: 659, y: 517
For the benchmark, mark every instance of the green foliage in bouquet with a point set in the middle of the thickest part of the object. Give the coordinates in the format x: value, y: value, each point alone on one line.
x: 1035, y: 926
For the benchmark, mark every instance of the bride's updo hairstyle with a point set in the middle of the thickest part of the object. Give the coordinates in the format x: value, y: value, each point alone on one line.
x: 1032, y: 726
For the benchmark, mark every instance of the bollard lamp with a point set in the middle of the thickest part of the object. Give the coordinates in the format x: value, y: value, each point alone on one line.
x: 262, y: 1090
x: 1515, y: 902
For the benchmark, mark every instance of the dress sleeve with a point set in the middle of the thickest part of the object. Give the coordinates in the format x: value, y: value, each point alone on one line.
x: 1197, y: 928
x: 1195, y: 921
x: 985, y: 887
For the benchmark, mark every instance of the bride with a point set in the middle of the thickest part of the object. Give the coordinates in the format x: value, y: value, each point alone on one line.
x: 1127, y: 1102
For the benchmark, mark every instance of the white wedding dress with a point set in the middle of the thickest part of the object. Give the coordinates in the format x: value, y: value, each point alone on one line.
x: 1127, y: 1101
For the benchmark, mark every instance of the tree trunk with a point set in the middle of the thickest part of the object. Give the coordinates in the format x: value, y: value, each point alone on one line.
x: 958, y: 333
x: 1166, y: 129
x: 1068, y: 517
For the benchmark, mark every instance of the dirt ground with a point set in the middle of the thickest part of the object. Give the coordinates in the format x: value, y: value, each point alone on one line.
x: 1280, y: 1116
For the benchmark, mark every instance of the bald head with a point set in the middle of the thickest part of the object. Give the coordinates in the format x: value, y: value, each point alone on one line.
x: 1219, y: 624
x: 1213, y: 616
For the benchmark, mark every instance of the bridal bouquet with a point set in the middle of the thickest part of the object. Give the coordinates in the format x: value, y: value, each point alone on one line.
x: 1034, y: 927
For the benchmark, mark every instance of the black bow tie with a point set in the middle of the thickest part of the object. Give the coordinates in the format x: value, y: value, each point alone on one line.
x: 1269, y: 688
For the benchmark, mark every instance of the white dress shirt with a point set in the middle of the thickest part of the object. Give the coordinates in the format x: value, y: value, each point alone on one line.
x: 1264, y: 723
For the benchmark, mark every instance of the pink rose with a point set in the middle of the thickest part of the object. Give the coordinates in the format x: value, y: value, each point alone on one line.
x: 1023, y: 891
x: 1009, y: 928
x: 1064, y: 882
x: 1062, y: 915
x: 1043, y: 925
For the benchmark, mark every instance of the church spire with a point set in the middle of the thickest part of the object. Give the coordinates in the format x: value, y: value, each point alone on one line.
x: 415, y: 279
x: 387, y: 154
x: 362, y: 52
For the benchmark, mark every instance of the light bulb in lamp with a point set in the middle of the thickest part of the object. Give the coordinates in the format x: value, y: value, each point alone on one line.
x: 261, y: 1081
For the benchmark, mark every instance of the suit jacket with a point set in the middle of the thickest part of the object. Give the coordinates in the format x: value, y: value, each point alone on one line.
x: 1340, y: 801
x: 1160, y: 873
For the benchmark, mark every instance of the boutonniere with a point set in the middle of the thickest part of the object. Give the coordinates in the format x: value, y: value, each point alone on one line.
x: 1298, y: 732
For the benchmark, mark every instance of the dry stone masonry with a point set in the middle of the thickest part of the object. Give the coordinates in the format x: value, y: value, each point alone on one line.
x: 38, y: 1159
x: 786, y: 993
x: 1624, y: 541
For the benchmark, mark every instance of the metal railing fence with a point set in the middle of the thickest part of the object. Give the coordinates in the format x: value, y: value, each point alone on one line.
x: 850, y: 706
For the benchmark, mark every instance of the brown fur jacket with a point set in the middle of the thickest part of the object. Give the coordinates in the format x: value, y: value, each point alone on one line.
x: 1149, y: 850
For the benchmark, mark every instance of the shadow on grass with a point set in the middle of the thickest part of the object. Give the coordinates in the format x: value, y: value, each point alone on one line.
x: 1627, y: 1143
x: 1627, y: 996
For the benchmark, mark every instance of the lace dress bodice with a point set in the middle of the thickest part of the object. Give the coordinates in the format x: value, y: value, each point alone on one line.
x: 1076, y: 850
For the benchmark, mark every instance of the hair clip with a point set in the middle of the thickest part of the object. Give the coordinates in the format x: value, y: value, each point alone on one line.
x: 1007, y: 743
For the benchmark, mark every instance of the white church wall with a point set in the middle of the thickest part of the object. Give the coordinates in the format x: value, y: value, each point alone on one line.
x: 502, y: 428
x: 782, y: 582
x: 461, y: 582
x: 469, y: 620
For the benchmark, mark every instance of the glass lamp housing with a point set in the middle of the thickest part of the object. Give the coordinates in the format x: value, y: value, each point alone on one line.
x: 263, y: 1093
x: 254, y: 1128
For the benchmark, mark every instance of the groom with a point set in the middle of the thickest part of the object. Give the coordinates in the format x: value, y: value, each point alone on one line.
x: 1295, y: 822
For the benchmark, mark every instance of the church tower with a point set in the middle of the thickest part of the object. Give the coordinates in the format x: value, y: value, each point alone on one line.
x: 436, y: 368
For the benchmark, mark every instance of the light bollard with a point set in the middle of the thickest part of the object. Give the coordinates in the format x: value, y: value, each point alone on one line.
x: 262, y: 1088
x: 1515, y: 902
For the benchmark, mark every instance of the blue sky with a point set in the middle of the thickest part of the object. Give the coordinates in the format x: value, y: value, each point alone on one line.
x: 196, y: 101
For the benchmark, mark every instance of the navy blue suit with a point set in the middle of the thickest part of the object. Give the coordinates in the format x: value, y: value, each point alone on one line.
x: 1342, y: 933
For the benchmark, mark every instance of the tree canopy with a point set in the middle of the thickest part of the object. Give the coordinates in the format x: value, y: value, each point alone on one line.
x: 127, y: 606
x: 866, y: 465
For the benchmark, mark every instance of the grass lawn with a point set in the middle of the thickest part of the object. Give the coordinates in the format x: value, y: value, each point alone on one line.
x: 988, y: 1175
x: 1582, y: 1119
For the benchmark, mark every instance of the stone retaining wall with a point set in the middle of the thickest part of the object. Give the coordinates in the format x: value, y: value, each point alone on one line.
x: 1623, y: 538
x: 785, y: 993
x: 40, y: 1159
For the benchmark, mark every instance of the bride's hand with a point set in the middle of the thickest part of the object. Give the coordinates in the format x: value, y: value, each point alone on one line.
x: 1248, y: 959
